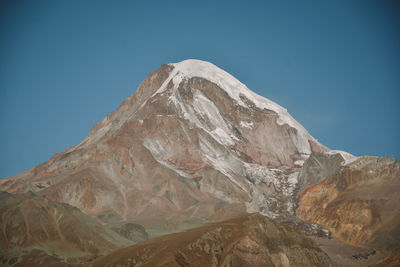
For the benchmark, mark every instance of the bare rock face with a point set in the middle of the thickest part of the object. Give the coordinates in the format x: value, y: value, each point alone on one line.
x: 318, y: 167
x: 250, y: 240
x: 36, y: 231
x: 359, y: 204
x: 192, y: 145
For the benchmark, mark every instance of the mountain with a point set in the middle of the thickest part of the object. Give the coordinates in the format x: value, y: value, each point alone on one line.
x: 192, y: 145
x: 249, y: 240
x: 359, y: 204
x: 37, y: 231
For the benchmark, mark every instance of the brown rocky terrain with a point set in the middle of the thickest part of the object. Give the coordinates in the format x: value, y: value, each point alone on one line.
x: 36, y: 231
x: 360, y: 205
x: 249, y: 240
x: 134, y: 232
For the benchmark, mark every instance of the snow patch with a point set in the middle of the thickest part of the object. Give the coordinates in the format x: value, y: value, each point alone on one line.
x: 207, y: 110
x: 159, y: 152
x: 246, y: 124
x: 279, y: 201
x: 222, y: 136
x: 221, y: 161
x: 205, y: 115
x: 299, y: 162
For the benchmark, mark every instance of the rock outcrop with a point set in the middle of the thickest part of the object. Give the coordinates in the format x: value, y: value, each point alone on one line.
x: 318, y: 167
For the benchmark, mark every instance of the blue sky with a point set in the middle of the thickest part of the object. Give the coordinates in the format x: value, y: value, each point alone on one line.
x: 64, y: 65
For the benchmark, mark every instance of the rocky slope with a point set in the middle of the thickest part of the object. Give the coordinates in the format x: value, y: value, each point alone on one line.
x: 131, y: 231
x: 192, y: 145
x: 360, y: 205
x: 250, y: 240
x: 36, y: 231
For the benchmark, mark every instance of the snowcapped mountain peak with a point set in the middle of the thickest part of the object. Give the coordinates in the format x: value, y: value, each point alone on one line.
x: 203, y: 69
x: 235, y: 89
x: 221, y: 116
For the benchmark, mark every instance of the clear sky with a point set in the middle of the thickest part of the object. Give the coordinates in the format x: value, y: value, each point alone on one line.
x: 64, y: 65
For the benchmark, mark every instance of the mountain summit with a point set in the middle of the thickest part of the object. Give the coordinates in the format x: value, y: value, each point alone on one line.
x: 192, y: 145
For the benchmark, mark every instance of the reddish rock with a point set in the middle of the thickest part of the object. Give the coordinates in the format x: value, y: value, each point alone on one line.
x: 359, y: 204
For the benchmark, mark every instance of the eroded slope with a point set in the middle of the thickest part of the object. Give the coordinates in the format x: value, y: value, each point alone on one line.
x: 50, y: 233
x: 250, y: 240
x: 359, y: 204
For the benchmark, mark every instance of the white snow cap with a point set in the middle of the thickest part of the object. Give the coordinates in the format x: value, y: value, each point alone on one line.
x: 197, y: 68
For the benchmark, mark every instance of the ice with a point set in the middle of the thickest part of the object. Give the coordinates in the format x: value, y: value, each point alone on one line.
x: 207, y: 109
x: 222, y: 161
x: 204, y: 114
x: 283, y: 183
x: 197, y: 68
x: 158, y: 150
